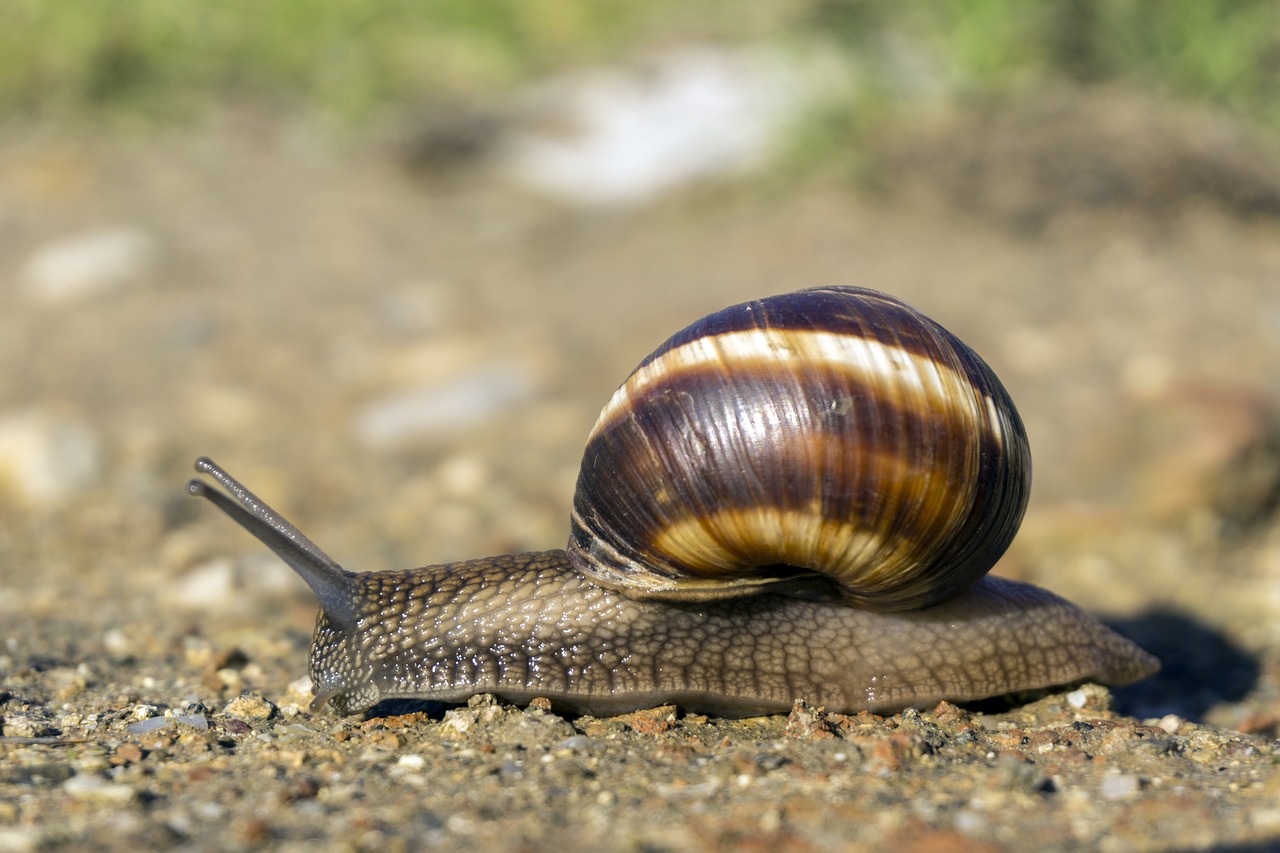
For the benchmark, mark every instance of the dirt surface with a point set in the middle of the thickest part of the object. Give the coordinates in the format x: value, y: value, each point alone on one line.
x: 407, y: 367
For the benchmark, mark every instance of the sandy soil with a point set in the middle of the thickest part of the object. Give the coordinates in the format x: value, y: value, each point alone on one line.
x: 407, y: 367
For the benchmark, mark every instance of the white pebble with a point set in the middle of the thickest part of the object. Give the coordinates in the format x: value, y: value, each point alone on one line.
x: 87, y: 786
x: 969, y: 822
x: 1121, y: 787
x: 412, y: 761
x: 1077, y: 699
x: 196, y: 721
x: 117, y: 643
x: 149, y: 725
x: 15, y: 839
x: 1170, y: 723
x: 685, y: 116
x: 88, y: 264
x: 45, y: 457
x: 221, y: 582
x: 458, y: 720
x: 439, y: 407
x: 207, y: 585
x: 209, y: 811
x: 460, y: 824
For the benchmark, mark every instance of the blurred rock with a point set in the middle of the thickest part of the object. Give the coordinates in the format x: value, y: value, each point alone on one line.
x: 1025, y: 161
x: 222, y: 582
x: 89, y: 264
x: 89, y: 786
x: 207, y: 585
x: 14, y: 839
x: 149, y: 725
x: 1120, y: 787
x: 1206, y: 449
x: 405, y: 415
x: 45, y: 456
x: 624, y: 135
x: 251, y: 708
x: 446, y: 138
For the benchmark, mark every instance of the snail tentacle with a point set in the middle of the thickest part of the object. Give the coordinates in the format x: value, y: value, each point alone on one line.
x: 329, y: 581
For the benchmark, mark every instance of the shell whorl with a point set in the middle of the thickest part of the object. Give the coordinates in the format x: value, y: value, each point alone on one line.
x: 834, y: 433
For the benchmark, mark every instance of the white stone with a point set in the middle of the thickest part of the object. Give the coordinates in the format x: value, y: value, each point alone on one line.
x: 436, y: 407
x: 87, y: 786
x: 14, y: 839
x: 1121, y: 787
x: 220, y: 582
x: 209, y: 584
x: 149, y: 725
x: 618, y: 136
x: 88, y: 264
x: 46, y: 456
x: 459, y: 721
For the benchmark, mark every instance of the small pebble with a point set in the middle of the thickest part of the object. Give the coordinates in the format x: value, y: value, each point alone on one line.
x: 223, y: 582
x: 250, y: 707
x: 1120, y: 787
x: 86, y: 786
x: 126, y: 753
x: 458, y: 721
x: 47, y: 456
x: 15, y: 839
x: 1077, y: 699
x: 574, y: 743
x: 88, y: 264
x: 457, y: 403
x: 196, y: 721
x: 205, y: 585
x: 35, y: 723
x: 147, y: 726
x: 636, y: 133
x: 117, y: 643
x: 293, y: 731
x: 969, y: 822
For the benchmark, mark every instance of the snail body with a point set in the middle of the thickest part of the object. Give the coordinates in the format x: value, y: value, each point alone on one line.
x: 794, y: 498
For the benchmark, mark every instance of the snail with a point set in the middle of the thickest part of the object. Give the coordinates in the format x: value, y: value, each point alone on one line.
x: 797, y: 497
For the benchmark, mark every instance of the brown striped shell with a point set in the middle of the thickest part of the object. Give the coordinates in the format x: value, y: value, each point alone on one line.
x: 834, y: 439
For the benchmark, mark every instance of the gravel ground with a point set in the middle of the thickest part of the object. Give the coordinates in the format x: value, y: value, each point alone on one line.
x: 407, y: 366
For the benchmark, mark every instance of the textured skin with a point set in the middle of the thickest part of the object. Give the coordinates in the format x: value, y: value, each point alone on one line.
x: 528, y: 625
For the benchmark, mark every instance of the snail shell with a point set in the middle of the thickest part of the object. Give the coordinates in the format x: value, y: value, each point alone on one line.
x: 834, y: 433
x: 752, y: 499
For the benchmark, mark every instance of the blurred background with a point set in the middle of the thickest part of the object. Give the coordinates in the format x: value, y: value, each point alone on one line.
x: 385, y: 261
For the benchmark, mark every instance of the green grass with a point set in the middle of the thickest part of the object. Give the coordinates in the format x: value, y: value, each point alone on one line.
x: 344, y: 57
x: 347, y: 58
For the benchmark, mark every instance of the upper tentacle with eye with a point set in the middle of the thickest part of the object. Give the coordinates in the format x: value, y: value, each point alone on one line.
x: 834, y: 433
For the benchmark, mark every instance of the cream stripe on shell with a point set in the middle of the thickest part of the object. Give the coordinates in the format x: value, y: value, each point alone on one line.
x: 870, y: 360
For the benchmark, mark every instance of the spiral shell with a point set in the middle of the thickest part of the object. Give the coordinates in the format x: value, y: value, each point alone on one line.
x: 834, y: 439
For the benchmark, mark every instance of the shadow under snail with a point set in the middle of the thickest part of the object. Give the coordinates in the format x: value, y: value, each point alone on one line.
x: 797, y: 497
